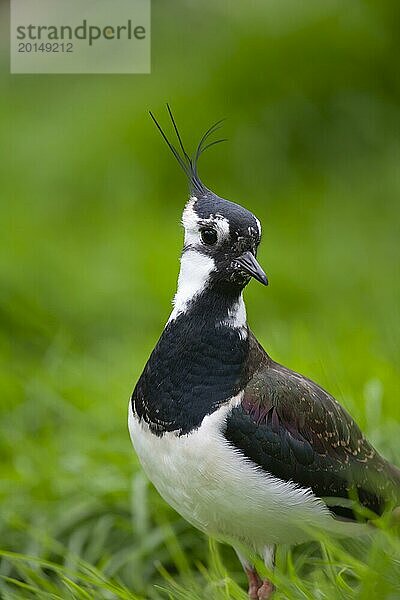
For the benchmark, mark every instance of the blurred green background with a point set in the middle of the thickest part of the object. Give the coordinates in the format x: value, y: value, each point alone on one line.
x: 90, y: 238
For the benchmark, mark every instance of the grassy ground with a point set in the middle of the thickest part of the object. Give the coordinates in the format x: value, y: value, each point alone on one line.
x: 90, y: 205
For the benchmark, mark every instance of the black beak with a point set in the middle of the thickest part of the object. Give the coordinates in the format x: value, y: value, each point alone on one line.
x: 249, y: 263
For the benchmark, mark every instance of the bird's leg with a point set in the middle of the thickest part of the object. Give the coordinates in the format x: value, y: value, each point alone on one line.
x: 267, y: 588
x: 265, y: 591
x: 253, y: 577
x: 255, y: 582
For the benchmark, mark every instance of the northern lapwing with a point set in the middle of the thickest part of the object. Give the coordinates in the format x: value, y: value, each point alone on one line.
x: 245, y: 449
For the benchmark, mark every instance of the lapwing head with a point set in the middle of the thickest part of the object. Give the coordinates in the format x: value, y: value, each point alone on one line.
x: 221, y: 237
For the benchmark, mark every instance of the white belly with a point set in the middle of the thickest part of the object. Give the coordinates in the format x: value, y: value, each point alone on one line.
x: 220, y: 492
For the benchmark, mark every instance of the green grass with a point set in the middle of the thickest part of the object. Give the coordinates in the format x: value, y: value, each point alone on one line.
x: 90, y: 205
x: 325, y: 570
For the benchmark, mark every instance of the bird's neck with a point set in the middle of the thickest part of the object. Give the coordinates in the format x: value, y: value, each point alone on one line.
x: 204, y: 301
x: 213, y: 311
x: 199, y: 363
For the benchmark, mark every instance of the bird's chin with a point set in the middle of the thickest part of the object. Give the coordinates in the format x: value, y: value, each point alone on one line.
x: 240, y: 278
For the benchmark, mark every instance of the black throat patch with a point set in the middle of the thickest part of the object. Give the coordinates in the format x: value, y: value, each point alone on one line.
x: 196, y: 366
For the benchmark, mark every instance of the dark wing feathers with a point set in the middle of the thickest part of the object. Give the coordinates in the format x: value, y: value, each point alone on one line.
x: 296, y: 431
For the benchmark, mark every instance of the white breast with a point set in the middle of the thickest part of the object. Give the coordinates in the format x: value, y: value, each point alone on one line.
x: 222, y: 493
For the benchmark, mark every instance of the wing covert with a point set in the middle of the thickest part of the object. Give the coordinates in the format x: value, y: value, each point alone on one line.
x: 296, y: 431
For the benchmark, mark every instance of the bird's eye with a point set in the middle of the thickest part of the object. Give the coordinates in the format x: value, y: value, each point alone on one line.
x: 209, y: 236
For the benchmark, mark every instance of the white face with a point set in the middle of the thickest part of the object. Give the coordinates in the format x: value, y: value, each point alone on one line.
x: 196, y: 267
x: 194, y: 226
x: 213, y: 243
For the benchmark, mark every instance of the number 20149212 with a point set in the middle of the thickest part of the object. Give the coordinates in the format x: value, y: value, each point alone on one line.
x: 45, y: 47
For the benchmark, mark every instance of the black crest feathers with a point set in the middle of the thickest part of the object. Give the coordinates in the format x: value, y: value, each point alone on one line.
x: 189, y: 163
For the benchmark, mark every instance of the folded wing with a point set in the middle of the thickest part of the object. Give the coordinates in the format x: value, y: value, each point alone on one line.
x: 295, y: 430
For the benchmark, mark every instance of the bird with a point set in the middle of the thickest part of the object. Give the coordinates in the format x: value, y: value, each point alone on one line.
x: 248, y: 451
